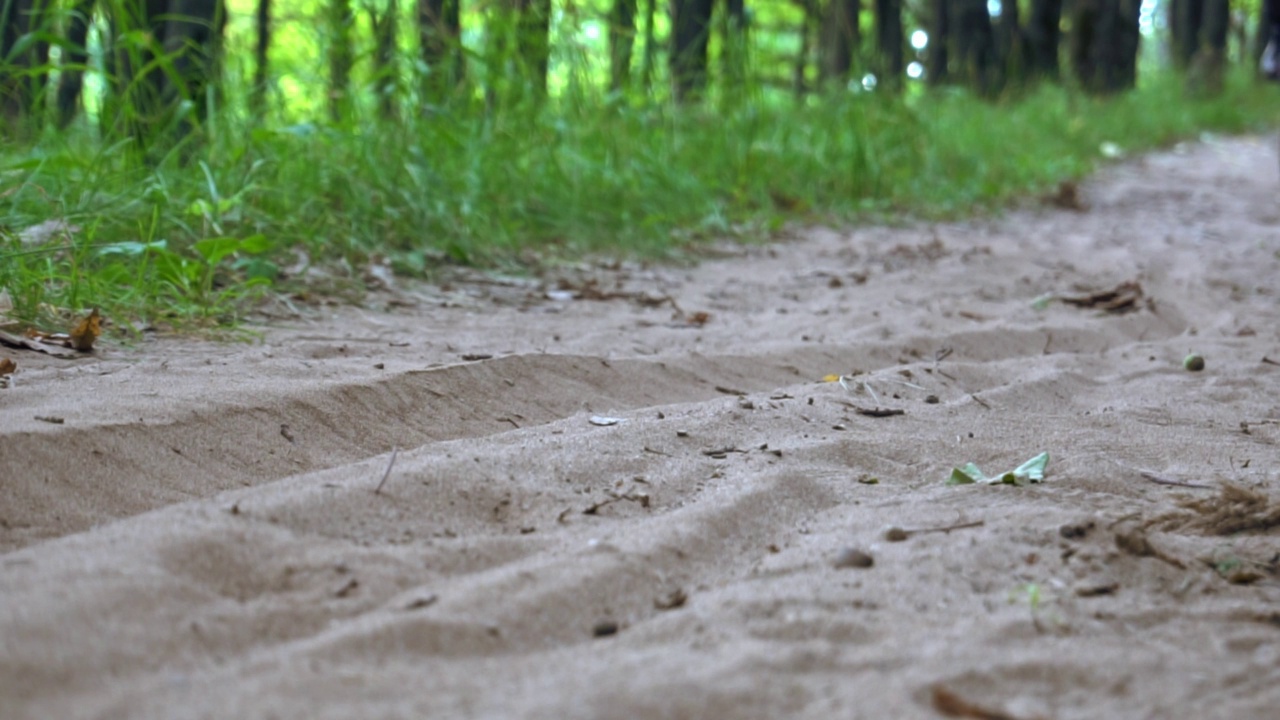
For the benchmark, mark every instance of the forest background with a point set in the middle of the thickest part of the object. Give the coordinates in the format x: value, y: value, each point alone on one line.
x: 170, y: 161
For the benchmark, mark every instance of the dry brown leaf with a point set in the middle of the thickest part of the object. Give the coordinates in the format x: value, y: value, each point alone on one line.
x: 34, y: 343
x: 1123, y: 298
x: 86, y: 332
x: 952, y: 705
x: 1067, y: 197
x: 7, y: 366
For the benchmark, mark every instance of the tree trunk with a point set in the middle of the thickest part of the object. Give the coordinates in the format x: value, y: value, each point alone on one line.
x: 385, y: 77
x: 258, y: 95
x: 440, y: 46
x: 690, y: 27
x: 734, y: 54
x: 1208, y: 65
x: 838, y: 41
x: 1043, y: 38
x: 1104, y: 44
x: 650, y: 58
x: 163, y: 64
x: 341, y: 59
x: 23, y: 53
x: 1012, y: 43
x: 938, y: 56
x: 973, y: 47
x: 533, y: 42
x: 808, y: 28
x: 889, y: 43
x: 74, y: 60
x: 622, y: 41
x: 1185, y: 19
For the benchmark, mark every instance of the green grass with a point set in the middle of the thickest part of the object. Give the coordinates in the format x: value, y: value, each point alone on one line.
x: 184, y: 245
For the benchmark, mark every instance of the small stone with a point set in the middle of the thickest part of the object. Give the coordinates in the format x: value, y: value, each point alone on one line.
x: 932, y: 399
x: 671, y: 600
x: 853, y: 558
x: 1075, y: 531
x: 605, y: 628
x: 893, y: 533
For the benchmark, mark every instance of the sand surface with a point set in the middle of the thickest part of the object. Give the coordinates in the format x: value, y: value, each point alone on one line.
x: 200, y: 535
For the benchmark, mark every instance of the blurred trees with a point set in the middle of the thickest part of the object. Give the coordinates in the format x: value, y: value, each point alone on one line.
x: 161, y: 59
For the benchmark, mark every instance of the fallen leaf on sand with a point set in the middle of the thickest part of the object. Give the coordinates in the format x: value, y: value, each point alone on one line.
x: 1031, y: 471
x: 1067, y: 197
x: 952, y: 705
x: 698, y: 318
x: 1123, y: 298
x: 86, y: 332
x: 17, y: 341
x: 7, y: 366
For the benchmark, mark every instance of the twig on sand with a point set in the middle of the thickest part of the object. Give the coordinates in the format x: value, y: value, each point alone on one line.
x: 897, y: 534
x: 387, y: 473
x: 952, y: 705
x: 1161, y: 480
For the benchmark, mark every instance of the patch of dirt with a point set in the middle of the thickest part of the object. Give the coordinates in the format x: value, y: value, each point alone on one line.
x: 626, y: 491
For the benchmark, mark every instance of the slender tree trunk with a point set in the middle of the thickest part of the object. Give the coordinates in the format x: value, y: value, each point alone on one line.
x: 838, y: 40
x: 1043, y: 38
x: 341, y: 59
x: 622, y: 41
x: 690, y: 29
x: 22, y: 79
x: 1129, y: 42
x: 385, y: 78
x: 808, y: 28
x: 1104, y: 44
x: 163, y: 61
x: 1185, y: 19
x: 973, y: 46
x: 734, y: 53
x: 440, y: 46
x: 258, y: 95
x: 889, y: 43
x: 938, y: 56
x: 533, y: 42
x: 650, y: 59
x: 137, y: 36
x: 74, y: 59
x: 192, y: 43
x: 1012, y: 43
x: 1208, y: 64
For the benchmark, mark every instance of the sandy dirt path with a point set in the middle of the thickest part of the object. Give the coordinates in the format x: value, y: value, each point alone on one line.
x: 191, y: 530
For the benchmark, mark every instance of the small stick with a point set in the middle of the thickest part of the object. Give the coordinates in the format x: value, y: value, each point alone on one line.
x: 387, y: 473
x: 879, y: 412
x: 897, y: 534
x: 1161, y: 480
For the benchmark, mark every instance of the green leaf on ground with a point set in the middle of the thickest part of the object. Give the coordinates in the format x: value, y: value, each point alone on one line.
x: 1031, y: 471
